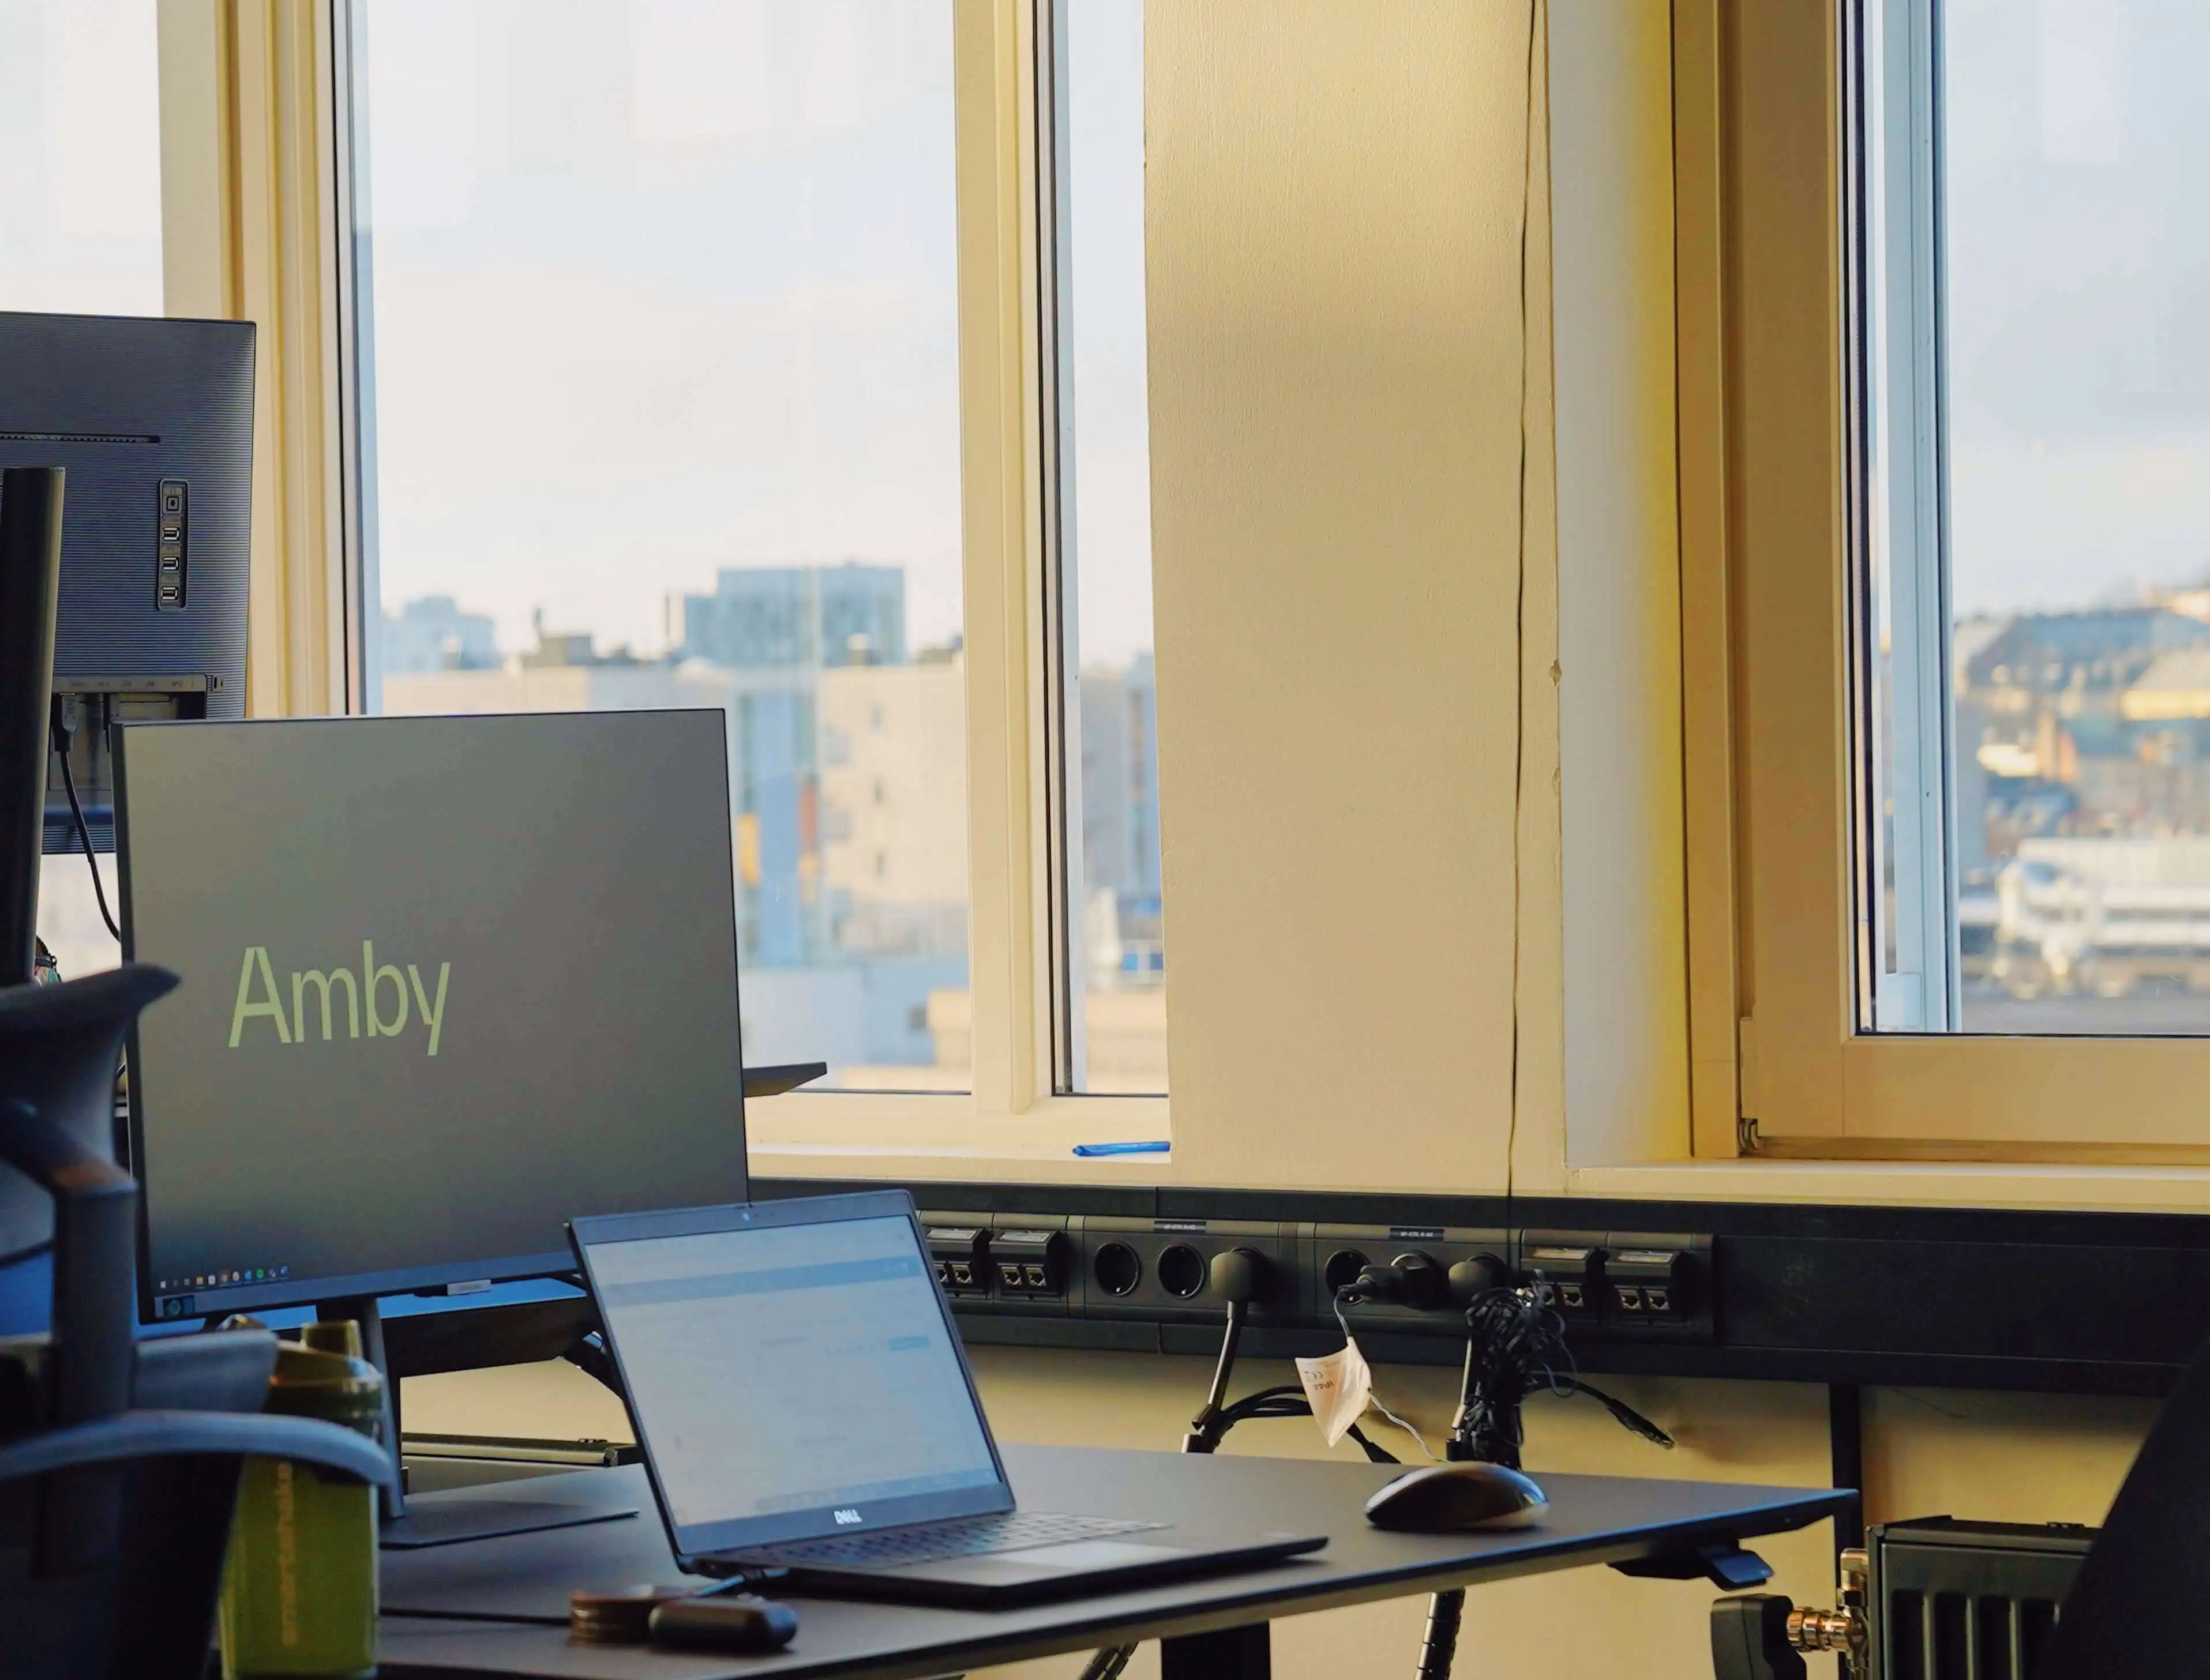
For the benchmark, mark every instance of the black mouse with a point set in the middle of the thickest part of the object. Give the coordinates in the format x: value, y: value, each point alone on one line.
x: 1450, y: 1498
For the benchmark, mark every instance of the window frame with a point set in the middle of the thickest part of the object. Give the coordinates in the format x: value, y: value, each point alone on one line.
x: 1899, y: 510
x: 1813, y: 1083
x: 1064, y: 1028
x: 1065, y: 1024
x: 1014, y: 1113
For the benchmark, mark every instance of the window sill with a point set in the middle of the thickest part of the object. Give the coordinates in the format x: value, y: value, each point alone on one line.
x: 1916, y: 1183
x: 868, y: 1134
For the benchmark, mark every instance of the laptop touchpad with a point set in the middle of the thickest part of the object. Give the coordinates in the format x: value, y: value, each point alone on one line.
x: 1087, y: 1555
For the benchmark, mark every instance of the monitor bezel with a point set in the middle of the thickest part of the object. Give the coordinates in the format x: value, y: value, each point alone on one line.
x: 735, y: 1534
x: 276, y: 1293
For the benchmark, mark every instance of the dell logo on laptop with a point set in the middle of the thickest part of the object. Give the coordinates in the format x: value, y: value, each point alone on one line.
x: 845, y: 1519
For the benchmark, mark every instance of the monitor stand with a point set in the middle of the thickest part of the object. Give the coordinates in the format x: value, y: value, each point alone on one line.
x: 449, y: 1520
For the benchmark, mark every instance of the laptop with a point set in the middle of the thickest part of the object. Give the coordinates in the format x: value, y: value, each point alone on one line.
x: 802, y: 1403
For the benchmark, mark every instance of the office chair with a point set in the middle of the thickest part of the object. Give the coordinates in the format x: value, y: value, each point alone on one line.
x: 118, y: 1467
x: 2139, y: 1607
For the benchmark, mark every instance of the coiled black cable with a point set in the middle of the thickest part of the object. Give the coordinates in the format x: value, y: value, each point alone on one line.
x: 1516, y: 1342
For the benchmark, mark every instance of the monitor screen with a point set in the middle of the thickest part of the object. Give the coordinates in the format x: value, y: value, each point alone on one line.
x: 448, y: 982
x: 793, y: 1380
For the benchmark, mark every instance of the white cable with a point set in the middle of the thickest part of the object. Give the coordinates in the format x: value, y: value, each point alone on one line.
x: 1372, y: 1399
x: 1375, y: 1401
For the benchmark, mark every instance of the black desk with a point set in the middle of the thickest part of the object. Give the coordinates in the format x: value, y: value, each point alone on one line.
x: 1216, y: 1627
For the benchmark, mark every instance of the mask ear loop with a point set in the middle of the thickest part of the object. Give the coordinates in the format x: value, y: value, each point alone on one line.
x: 1373, y: 1399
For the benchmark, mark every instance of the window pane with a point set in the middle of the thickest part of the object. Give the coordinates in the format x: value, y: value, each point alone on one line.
x: 658, y: 386
x: 1116, y: 936
x: 79, y: 234
x: 80, y: 158
x: 2075, y: 244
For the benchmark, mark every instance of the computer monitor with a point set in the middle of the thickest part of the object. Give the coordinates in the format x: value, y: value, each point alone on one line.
x: 448, y: 982
x: 153, y: 421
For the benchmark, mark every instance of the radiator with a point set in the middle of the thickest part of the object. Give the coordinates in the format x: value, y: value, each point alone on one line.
x: 1954, y: 1600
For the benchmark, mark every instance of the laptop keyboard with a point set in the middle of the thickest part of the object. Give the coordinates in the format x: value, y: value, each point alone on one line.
x: 928, y: 1542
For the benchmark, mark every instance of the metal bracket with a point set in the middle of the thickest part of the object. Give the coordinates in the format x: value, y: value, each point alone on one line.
x: 1722, y: 1563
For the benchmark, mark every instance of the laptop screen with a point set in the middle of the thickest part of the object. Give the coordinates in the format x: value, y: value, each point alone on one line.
x: 792, y: 1379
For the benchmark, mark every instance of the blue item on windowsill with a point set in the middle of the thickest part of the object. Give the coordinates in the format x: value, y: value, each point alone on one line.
x: 1159, y: 1148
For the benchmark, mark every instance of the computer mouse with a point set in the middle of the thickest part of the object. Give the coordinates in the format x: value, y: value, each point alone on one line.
x: 1451, y: 1499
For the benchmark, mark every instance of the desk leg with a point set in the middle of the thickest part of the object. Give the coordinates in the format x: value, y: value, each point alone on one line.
x: 1233, y: 1653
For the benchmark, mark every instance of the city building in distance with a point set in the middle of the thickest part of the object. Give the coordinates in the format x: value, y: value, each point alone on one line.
x: 2083, y: 813
x: 847, y: 773
x: 794, y: 617
x: 433, y: 634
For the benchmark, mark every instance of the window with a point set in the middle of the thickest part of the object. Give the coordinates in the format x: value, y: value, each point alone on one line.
x: 79, y: 234
x: 656, y: 397
x: 1112, y: 948
x: 1964, y: 853
x: 80, y: 157
x: 2038, y: 426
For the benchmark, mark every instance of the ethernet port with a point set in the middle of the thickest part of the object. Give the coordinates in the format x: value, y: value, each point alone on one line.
x: 1117, y: 1268
x: 1342, y: 1270
x: 1181, y: 1271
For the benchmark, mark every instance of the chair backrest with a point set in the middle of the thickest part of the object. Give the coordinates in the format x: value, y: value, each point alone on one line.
x: 109, y: 1567
x: 146, y: 1609
x: 2136, y: 1610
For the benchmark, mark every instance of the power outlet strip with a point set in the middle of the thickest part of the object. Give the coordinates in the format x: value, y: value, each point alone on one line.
x: 1620, y: 1285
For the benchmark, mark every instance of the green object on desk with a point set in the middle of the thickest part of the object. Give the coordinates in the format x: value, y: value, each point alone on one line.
x: 298, y: 1588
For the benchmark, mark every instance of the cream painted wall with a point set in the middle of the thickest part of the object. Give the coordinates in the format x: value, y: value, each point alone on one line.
x: 1619, y: 602
x: 1333, y: 216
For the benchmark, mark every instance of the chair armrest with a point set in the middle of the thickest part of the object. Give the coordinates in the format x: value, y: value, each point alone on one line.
x: 135, y: 1435
x: 214, y: 1370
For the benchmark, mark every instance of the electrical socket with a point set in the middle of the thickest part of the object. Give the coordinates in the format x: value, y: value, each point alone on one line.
x: 1334, y: 1253
x: 1161, y: 1268
x: 1624, y: 1286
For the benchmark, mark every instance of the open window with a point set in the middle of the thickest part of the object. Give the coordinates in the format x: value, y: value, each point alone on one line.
x: 1965, y: 561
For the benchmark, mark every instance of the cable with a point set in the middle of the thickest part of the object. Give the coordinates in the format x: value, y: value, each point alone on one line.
x: 1203, y: 1435
x: 1438, y: 1645
x: 1514, y: 1342
x: 1210, y: 1427
x: 1108, y: 1664
x: 1351, y: 1294
x: 58, y: 734
x: 1653, y: 1433
x: 1536, y: 18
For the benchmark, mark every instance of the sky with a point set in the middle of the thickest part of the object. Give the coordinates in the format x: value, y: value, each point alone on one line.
x: 661, y: 288
x: 80, y: 158
x: 2078, y: 201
